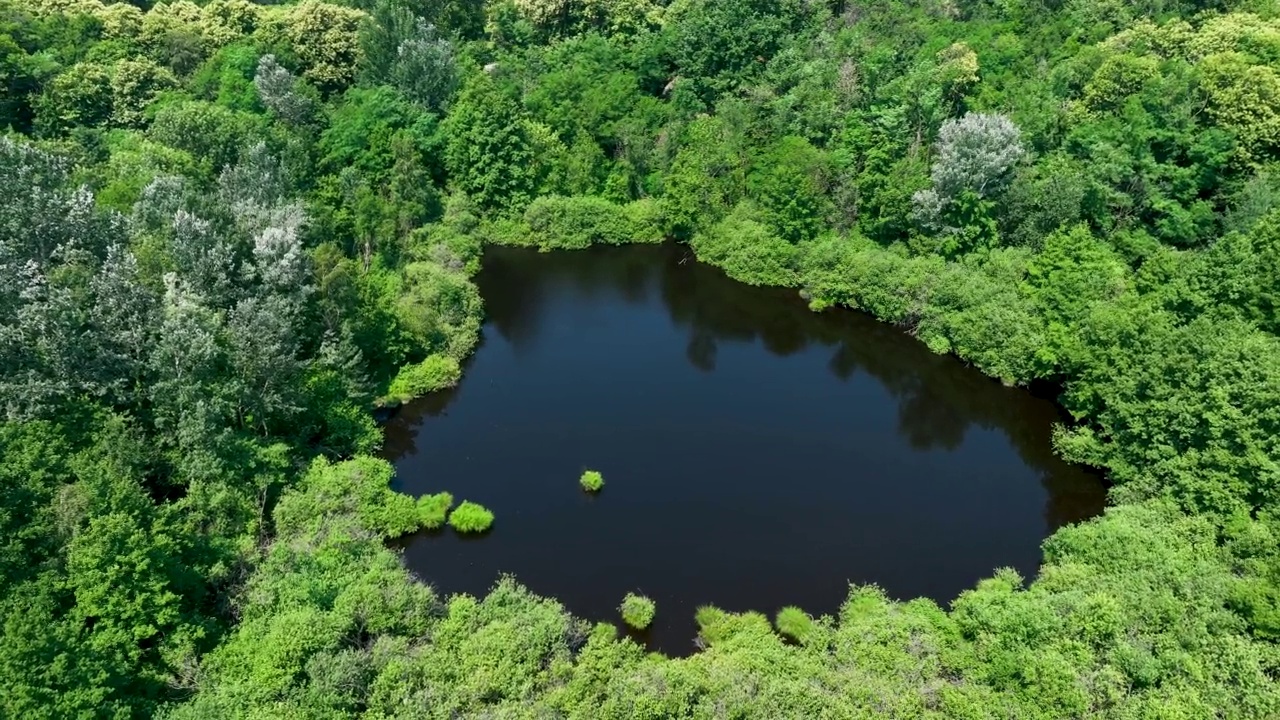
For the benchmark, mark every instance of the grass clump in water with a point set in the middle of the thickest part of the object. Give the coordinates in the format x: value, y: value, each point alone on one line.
x: 712, y: 623
x: 432, y: 510
x: 794, y: 623
x: 716, y: 625
x: 591, y: 481
x: 471, y: 517
x: 637, y: 611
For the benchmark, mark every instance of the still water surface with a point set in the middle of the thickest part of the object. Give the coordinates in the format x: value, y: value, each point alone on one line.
x: 755, y: 454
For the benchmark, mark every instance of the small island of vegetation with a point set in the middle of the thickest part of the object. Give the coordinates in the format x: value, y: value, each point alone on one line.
x: 591, y: 481
x: 433, y: 509
x: 470, y: 517
x: 637, y: 611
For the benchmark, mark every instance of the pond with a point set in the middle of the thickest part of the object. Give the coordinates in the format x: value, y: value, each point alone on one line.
x: 755, y: 454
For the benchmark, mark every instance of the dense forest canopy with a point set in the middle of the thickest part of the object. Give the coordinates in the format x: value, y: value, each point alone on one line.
x: 230, y: 229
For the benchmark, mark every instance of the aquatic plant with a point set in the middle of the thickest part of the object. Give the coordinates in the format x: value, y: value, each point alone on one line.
x: 794, y: 623
x: 716, y: 625
x: 711, y: 621
x: 591, y: 481
x: 637, y: 611
x: 433, y: 509
x: 471, y: 517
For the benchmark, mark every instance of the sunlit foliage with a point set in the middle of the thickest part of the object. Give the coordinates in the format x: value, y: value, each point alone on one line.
x: 228, y: 229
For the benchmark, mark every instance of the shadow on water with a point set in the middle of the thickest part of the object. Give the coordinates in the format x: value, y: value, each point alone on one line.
x: 756, y: 454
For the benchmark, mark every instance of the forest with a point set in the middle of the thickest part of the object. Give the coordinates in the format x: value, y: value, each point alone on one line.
x: 230, y: 231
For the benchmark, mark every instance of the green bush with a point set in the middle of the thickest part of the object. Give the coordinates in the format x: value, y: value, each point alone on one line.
x: 718, y: 626
x: 432, y: 509
x: 794, y: 623
x: 471, y: 517
x: 743, y: 246
x: 512, y: 232
x: 439, y: 309
x: 363, y: 483
x: 437, y: 372
x: 591, y: 481
x: 577, y: 222
x: 637, y: 611
x: 647, y: 220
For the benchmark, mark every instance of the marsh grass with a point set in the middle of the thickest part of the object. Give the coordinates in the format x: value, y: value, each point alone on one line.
x: 794, y: 623
x: 712, y: 622
x: 471, y: 517
x: 433, y: 509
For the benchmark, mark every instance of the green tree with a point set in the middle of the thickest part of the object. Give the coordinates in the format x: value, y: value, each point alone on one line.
x: 719, y: 46
x: 77, y: 97
x: 487, y: 149
x: 326, y: 38
x: 135, y: 84
x: 788, y: 182
x: 1074, y: 272
x: 211, y: 133
x: 707, y: 178
x: 18, y: 81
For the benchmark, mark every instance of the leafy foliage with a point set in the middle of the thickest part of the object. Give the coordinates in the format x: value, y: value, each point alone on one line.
x: 228, y: 229
x: 489, y: 151
x: 437, y: 372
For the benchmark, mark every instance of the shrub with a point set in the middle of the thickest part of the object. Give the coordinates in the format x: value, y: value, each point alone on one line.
x: 514, y: 232
x: 794, y: 623
x: 363, y: 483
x: 647, y: 221
x: 716, y: 626
x: 573, y: 223
x: 471, y: 517
x: 637, y: 611
x: 591, y: 481
x: 432, y: 509
x: 439, y: 310
x: 437, y: 372
x: 746, y: 250
x: 392, y: 514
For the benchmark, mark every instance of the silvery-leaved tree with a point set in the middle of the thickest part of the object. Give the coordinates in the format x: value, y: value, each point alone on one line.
x: 425, y: 69
x: 223, y: 344
x: 282, y: 93
x: 255, y: 191
x: 405, y: 50
x: 72, y: 305
x: 236, y: 298
x: 973, y: 160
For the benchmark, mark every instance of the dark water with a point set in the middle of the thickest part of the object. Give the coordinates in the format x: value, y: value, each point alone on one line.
x: 755, y: 454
